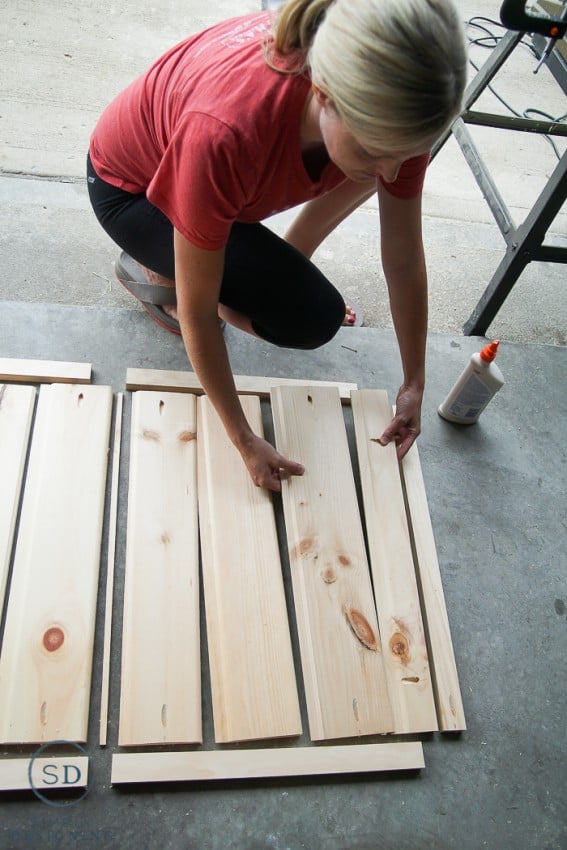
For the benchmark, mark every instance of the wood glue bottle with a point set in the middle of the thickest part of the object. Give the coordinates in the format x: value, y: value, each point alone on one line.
x: 479, y: 382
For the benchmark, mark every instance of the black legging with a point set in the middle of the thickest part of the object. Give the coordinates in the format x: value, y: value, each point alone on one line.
x: 289, y: 302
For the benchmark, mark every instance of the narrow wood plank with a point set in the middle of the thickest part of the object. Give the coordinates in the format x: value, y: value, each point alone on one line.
x: 393, y: 572
x: 162, y: 379
x: 47, y: 773
x: 450, y: 711
x: 46, y: 662
x: 44, y: 371
x: 160, y: 699
x: 16, y: 409
x: 341, y: 655
x: 265, y: 763
x: 113, y: 515
x: 250, y: 657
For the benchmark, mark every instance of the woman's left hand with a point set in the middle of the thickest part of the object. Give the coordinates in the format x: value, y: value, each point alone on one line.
x: 405, y: 427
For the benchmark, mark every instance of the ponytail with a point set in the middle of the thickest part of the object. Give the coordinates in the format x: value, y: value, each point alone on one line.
x: 293, y: 33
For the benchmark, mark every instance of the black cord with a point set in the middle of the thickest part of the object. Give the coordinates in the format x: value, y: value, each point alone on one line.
x: 490, y: 40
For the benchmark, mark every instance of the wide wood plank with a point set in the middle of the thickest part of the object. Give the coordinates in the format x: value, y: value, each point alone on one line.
x: 45, y: 667
x: 160, y: 698
x: 393, y: 572
x: 47, y: 773
x: 44, y: 371
x: 250, y: 657
x: 341, y: 653
x: 16, y: 409
x: 448, y: 699
x: 265, y: 763
x: 112, y: 520
x: 163, y: 379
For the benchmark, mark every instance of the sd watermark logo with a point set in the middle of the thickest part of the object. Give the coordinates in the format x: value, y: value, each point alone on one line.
x: 59, y: 772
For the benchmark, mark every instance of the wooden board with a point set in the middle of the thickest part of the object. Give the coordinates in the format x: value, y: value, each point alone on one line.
x: 158, y: 379
x: 161, y: 683
x: 47, y: 773
x: 250, y: 657
x: 393, y: 572
x: 341, y: 654
x: 450, y: 711
x: 16, y: 409
x: 45, y: 667
x: 44, y: 371
x: 112, y: 519
x: 265, y: 763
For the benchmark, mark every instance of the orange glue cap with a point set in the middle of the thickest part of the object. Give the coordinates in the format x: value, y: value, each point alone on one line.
x: 489, y: 351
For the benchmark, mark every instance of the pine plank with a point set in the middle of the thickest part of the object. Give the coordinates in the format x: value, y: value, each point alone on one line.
x: 450, y: 711
x: 160, y: 698
x: 46, y: 662
x: 163, y: 380
x: 393, y: 572
x: 253, y: 682
x: 44, y: 371
x: 16, y: 409
x: 112, y: 519
x: 265, y: 763
x: 47, y: 773
x: 341, y: 655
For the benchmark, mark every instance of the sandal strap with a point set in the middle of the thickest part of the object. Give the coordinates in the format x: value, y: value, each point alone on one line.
x: 150, y: 293
x: 128, y: 271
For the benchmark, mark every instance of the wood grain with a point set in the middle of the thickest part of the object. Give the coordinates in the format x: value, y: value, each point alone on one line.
x: 46, y: 661
x: 44, y: 371
x: 160, y: 699
x: 250, y: 658
x: 162, y: 379
x: 393, y: 572
x: 448, y: 699
x: 265, y: 763
x: 341, y: 652
x: 16, y: 409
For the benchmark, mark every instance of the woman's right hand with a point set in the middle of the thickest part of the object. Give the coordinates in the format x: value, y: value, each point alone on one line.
x: 267, y: 467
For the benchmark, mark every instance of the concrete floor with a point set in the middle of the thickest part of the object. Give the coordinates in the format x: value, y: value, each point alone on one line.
x: 496, y: 491
x: 497, y: 498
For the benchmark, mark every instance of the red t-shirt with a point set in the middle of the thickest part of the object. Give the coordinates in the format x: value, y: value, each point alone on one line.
x: 212, y: 134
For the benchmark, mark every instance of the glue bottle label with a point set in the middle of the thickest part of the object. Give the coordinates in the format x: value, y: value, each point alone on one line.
x: 473, y: 397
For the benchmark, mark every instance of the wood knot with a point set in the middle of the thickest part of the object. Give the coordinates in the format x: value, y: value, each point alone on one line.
x: 329, y: 575
x: 187, y: 436
x: 344, y: 561
x: 53, y: 638
x: 148, y: 434
x: 361, y: 628
x: 303, y: 547
x: 399, y: 646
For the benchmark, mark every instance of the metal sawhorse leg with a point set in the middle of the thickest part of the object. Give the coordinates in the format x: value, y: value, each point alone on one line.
x: 524, y: 244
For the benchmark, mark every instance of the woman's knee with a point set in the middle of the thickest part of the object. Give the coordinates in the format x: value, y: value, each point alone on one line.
x: 308, y: 328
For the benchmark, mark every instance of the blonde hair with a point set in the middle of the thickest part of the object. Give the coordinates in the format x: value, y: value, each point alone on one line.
x: 394, y: 70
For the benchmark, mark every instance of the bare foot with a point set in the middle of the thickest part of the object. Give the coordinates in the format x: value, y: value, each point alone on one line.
x: 350, y: 315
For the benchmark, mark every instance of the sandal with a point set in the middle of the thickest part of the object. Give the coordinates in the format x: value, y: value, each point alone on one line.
x: 151, y: 296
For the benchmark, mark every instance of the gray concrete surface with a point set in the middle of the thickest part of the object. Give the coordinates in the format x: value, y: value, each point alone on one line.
x: 496, y: 491
x: 62, y: 65
x: 497, y: 500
